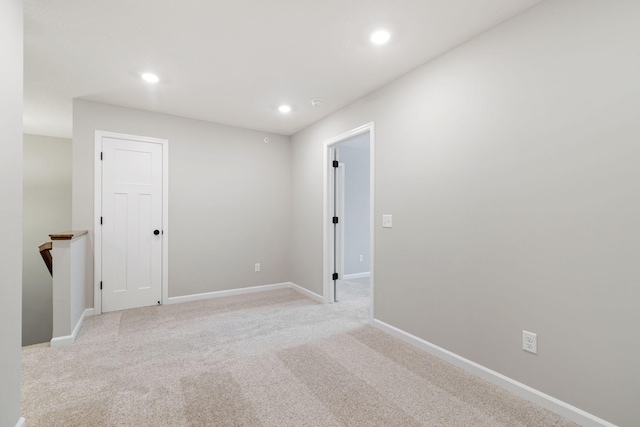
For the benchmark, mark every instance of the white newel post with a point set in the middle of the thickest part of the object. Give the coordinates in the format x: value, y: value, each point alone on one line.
x: 69, y: 274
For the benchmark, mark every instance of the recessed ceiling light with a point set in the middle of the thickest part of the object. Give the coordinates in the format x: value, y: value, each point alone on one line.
x: 150, y: 77
x: 380, y: 37
x: 284, y: 109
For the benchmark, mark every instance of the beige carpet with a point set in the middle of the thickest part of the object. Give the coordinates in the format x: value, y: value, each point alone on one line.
x: 353, y: 289
x: 266, y: 359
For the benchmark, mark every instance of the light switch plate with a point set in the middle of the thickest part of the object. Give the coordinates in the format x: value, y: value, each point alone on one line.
x: 387, y: 221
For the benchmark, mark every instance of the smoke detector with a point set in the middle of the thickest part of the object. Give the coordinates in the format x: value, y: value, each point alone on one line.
x: 316, y: 102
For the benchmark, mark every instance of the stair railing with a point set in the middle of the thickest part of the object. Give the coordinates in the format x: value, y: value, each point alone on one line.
x: 45, y: 252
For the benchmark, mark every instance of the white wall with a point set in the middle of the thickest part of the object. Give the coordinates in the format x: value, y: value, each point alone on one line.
x: 10, y: 210
x: 47, y: 209
x: 511, y: 168
x: 355, y: 156
x: 229, y: 196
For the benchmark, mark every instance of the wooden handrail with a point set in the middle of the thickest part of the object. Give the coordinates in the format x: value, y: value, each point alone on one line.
x: 45, y: 251
x: 45, y: 248
x: 68, y: 235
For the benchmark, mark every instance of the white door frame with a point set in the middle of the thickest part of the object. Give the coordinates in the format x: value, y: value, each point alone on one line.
x: 97, y: 229
x: 327, y: 224
x: 341, y: 215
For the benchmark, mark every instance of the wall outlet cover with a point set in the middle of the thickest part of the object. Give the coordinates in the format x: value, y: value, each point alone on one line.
x: 530, y: 342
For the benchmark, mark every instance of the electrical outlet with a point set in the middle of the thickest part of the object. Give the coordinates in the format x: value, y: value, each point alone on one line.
x: 530, y: 342
x: 387, y: 221
x: 257, y: 266
x: 361, y: 258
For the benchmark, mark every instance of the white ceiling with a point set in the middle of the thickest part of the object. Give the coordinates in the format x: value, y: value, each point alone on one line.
x: 233, y: 61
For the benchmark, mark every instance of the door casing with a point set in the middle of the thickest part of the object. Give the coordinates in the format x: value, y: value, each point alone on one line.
x: 97, y: 247
x: 340, y: 213
x: 328, y: 209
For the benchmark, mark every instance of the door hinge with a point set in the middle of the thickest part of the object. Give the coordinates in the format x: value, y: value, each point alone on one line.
x: 336, y: 164
x: 101, y: 285
x: 335, y: 276
x: 100, y: 220
x: 335, y: 219
x: 101, y: 155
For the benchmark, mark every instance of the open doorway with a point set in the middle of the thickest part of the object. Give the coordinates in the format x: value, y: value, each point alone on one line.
x: 352, y: 207
x: 349, y: 217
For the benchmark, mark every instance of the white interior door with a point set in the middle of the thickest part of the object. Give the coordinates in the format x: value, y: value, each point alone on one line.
x: 131, y: 224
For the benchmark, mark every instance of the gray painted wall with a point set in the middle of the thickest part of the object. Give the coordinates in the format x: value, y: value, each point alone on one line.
x: 510, y: 165
x: 47, y: 209
x: 229, y: 196
x: 356, y: 205
x: 10, y: 210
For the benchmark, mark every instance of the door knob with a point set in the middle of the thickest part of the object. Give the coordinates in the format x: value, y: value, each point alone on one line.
x: 156, y: 232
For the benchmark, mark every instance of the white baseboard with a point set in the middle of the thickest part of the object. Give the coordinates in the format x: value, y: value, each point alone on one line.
x: 306, y: 292
x: 21, y: 422
x: 356, y: 275
x: 70, y: 339
x: 551, y: 403
x: 249, y: 290
x: 227, y: 293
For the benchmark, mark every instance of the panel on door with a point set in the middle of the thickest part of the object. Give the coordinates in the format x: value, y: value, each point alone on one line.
x: 131, y: 213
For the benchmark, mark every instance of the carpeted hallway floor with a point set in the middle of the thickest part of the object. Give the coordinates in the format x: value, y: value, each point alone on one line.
x: 348, y: 290
x: 266, y: 359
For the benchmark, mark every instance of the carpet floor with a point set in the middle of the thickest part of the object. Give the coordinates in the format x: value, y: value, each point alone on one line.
x: 272, y: 358
x: 352, y: 289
